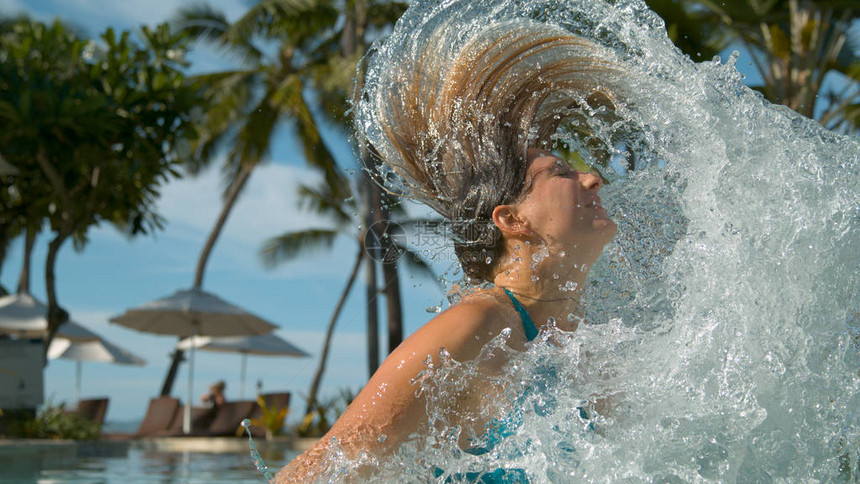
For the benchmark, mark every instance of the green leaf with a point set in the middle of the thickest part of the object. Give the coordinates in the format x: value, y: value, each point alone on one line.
x: 286, y: 247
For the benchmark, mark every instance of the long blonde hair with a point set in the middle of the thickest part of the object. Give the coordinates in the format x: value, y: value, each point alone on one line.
x: 452, y: 115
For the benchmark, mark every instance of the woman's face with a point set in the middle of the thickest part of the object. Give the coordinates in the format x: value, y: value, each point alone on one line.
x: 562, y: 208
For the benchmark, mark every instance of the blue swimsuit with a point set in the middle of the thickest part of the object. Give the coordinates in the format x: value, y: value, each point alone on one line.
x: 499, y: 429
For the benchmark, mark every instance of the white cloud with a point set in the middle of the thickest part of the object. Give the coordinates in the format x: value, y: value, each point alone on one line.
x: 267, y: 206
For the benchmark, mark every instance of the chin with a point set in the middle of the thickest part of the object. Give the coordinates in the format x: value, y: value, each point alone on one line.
x: 606, y: 226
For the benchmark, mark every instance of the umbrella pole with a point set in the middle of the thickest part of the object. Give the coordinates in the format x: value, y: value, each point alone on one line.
x: 242, y: 377
x: 78, y: 384
x: 186, y: 421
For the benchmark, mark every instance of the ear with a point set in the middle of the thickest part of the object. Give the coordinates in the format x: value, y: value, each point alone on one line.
x: 505, y: 217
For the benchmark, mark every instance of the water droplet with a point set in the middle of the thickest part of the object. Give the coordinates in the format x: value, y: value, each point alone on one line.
x: 255, y: 455
x: 433, y: 309
x: 489, y: 260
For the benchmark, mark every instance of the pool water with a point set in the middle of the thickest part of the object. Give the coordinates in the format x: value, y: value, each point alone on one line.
x: 134, y: 466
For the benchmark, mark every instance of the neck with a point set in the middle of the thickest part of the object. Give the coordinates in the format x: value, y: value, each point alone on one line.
x: 550, y: 288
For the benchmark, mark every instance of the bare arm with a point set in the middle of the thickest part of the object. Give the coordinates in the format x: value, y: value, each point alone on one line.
x: 387, y: 405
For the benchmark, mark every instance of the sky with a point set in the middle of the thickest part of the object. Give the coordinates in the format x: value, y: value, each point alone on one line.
x: 114, y: 273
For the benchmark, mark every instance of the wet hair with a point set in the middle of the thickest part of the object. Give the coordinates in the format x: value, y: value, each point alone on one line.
x: 452, y: 114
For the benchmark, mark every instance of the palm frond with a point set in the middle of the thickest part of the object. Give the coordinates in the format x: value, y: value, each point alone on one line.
x: 321, y: 201
x: 254, y: 138
x: 228, y: 94
x: 286, y: 247
x: 415, y: 263
x: 316, y: 152
x: 291, y: 21
x: 206, y: 23
x: 202, y: 21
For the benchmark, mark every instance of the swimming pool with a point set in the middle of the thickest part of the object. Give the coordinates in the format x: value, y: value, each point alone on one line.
x: 136, y: 465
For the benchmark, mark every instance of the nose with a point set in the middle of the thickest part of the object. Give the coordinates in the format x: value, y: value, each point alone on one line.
x: 591, y: 181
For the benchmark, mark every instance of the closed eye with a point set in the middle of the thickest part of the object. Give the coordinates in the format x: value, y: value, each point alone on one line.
x: 563, y: 170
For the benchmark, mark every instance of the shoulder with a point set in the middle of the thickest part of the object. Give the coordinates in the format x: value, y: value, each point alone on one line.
x: 463, y: 329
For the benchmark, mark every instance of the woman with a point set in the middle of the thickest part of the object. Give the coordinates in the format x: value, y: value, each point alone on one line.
x: 215, y: 397
x: 465, y: 126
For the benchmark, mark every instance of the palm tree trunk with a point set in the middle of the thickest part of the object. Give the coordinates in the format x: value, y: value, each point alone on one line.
x: 239, y: 183
x: 312, y: 393
x: 371, y: 291
x: 391, y: 287
x: 233, y: 195
x: 56, y: 315
x: 24, y: 278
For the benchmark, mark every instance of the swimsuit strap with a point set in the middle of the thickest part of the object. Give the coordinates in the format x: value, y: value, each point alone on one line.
x: 528, y: 325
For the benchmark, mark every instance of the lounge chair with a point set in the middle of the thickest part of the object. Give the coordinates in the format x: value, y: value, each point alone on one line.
x: 229, y: 417
x: 201, y: 418
x: 159, y: 415
x: 93, y: 409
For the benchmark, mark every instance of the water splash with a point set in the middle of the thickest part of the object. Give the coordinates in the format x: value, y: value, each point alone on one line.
x: 720, y: 343
x: 255, y: 455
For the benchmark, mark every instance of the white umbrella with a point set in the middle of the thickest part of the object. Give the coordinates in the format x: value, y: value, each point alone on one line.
x: 22, y: 314
x: 96, y: 350
x: 25, y: 316
x: 190, y: 313
x: 259, y: 345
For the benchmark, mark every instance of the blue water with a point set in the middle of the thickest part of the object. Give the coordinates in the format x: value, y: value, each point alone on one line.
x: 133, y: 466
x: 723, y: 318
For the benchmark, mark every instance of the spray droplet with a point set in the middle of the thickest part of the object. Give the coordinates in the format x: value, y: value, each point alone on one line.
x: 255, y: 455
x: 433, y: 309
x: 489, y: 260
x: 568, y: 286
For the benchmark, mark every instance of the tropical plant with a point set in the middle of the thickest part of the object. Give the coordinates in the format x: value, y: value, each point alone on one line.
x: 271, y: 419
x: 268, y: 90
x: 318, y: 420
x: 93, y: 129
x: 274, y: 43
x: 316, y: 49
x: 53, y: 422
x: 795, y: 45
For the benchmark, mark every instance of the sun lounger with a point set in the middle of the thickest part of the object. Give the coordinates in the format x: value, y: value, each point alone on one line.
x: 93, y: 409
x: 230, y: 415
x: 201, y: 417
x: 159, y: 415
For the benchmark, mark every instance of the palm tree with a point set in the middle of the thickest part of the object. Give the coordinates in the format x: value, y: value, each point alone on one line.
x: 275, y: 41
x: 794, y: 44
x: 362, y: 19
x: 343, y: 218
